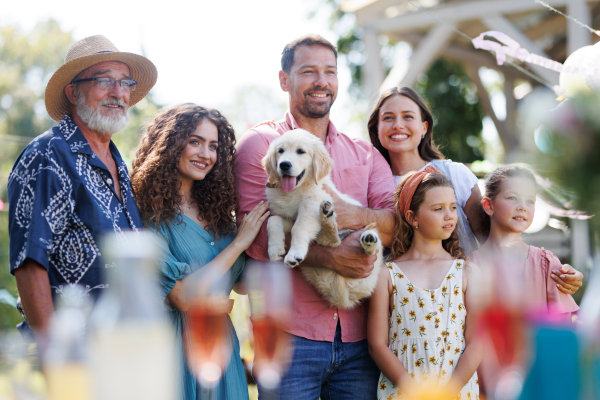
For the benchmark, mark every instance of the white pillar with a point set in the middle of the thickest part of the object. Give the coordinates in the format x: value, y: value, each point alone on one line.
x: 578, y: 36
x: 372, y: 69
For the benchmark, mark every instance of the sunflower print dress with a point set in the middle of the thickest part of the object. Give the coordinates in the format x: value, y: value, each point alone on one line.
x: 427, y: 331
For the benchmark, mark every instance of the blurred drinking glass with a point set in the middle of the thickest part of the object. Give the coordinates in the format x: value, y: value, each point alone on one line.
x: 270, y: 289
x: 20, y: 375
x: 206, y: 328
x: 504, y: 328
x: 66, y: 358
x: 132, y: 344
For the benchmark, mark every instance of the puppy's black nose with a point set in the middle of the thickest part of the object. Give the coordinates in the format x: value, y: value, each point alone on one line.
x: 285, y: 165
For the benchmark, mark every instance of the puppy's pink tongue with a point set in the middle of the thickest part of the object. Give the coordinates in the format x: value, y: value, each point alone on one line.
x: 288, y: 183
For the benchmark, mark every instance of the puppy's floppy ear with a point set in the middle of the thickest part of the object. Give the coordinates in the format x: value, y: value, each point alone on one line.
x: 269, y: 163
x: 322, y: 162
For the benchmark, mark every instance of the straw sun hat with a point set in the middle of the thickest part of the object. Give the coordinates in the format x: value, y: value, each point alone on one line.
x: 90, y: 51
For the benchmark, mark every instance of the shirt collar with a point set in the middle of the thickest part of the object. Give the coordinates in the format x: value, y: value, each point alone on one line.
x: 332, y: 132
x: 79, y: 144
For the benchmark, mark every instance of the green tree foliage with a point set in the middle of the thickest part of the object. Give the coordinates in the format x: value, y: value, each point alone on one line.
x: 139, y: 116
x: 27, y: 61
x: 457, y: 115
x: 9, y: 317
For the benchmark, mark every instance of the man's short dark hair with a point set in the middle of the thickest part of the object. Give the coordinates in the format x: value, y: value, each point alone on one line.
x: 287, y: 56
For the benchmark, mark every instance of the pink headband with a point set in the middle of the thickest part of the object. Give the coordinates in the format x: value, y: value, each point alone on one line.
x: 410, y: 186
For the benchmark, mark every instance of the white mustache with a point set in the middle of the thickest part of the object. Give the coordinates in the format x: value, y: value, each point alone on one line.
x: 107, y: 102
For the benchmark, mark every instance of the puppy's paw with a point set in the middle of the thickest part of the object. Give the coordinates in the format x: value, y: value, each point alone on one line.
x: 369, y: 240
x: 327, y: 209
x: 276, y: 251
x: 294, y: 257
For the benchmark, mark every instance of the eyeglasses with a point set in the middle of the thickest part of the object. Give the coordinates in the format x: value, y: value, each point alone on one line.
x: 127, y: 85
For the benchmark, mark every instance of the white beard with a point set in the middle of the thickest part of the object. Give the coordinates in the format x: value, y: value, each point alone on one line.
x: 96, y: 121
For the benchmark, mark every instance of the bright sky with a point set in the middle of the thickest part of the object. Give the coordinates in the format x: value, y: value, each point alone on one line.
x: 203, y: 50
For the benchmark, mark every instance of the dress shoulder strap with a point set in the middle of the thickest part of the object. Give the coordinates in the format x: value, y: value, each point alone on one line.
x: 459, y: 266
x: 391, y: 269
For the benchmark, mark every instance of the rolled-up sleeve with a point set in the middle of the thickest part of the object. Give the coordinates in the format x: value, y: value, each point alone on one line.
x: 170, y: 269
x: 250, y: 181
x: 381, y: 183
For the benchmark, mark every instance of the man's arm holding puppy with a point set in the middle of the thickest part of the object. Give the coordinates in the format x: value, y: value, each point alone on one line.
x: 348, y: 259
x: 349, y: 216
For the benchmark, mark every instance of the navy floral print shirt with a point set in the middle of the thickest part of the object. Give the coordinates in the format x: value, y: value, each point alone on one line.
x: 62, y: 200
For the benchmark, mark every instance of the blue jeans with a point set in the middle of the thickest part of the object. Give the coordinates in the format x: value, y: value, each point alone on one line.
x: 333, y: 371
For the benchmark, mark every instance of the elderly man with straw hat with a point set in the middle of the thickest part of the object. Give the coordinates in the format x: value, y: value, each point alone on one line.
x: 70, y: 185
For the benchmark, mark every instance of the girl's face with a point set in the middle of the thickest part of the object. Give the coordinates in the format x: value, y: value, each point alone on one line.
x: 200, y: 155
x: 436, y: 217
x: 400, y: 126
x: 513, y: 208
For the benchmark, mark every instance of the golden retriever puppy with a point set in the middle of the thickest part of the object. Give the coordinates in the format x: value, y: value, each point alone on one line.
x: 298, y: 165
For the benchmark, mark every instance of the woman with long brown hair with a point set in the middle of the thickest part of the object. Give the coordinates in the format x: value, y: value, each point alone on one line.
x: 184, y: 187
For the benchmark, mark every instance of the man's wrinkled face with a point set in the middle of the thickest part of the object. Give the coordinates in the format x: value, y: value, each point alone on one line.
x: 312, y: 82
x: 103, y: 110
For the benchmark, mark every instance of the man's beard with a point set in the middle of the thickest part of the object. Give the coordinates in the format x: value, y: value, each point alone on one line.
x: 97, y: 122
x: 312, y: 110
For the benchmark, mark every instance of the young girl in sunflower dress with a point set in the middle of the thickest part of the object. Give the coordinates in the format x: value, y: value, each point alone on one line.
x: 419, y: 332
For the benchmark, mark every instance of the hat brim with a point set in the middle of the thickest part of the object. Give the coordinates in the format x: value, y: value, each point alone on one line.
x: 140, y: 68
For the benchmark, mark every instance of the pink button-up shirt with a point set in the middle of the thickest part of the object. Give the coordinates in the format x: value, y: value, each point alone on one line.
x: 359, y: 171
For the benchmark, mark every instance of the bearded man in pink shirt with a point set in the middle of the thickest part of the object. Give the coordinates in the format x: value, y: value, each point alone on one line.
x: 331, y: 358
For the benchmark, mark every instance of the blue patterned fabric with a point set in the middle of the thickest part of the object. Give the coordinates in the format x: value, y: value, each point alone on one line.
x: 61, y: 201
x: 187, y: 247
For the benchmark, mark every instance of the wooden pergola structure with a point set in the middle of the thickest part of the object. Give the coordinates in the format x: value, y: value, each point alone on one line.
x: 536, y: 28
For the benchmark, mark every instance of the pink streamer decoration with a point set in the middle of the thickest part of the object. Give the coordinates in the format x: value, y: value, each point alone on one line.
x: 512, y: 48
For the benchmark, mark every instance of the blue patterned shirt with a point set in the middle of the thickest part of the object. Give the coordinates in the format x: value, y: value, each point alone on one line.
x: 61, y: 201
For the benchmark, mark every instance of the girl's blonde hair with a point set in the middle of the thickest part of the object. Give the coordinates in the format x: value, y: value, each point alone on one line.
x: 404, y: 232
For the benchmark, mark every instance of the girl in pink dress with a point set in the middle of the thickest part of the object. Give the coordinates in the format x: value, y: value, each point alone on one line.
x: 421, y: 327
x: 509, y: 206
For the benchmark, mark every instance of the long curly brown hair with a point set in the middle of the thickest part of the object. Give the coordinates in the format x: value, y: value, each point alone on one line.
x: 155, y: 178
x: 404, y: 232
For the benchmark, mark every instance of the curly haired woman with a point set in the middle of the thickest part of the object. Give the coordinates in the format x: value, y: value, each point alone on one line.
x: 184, y: 187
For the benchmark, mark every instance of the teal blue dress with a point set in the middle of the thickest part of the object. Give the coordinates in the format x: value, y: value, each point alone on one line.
x: 187, y: 248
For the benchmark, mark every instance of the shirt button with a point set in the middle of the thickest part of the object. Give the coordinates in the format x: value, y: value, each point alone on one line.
x: 212, y: 243
x: 334, y: 315
x: 109, y: 181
